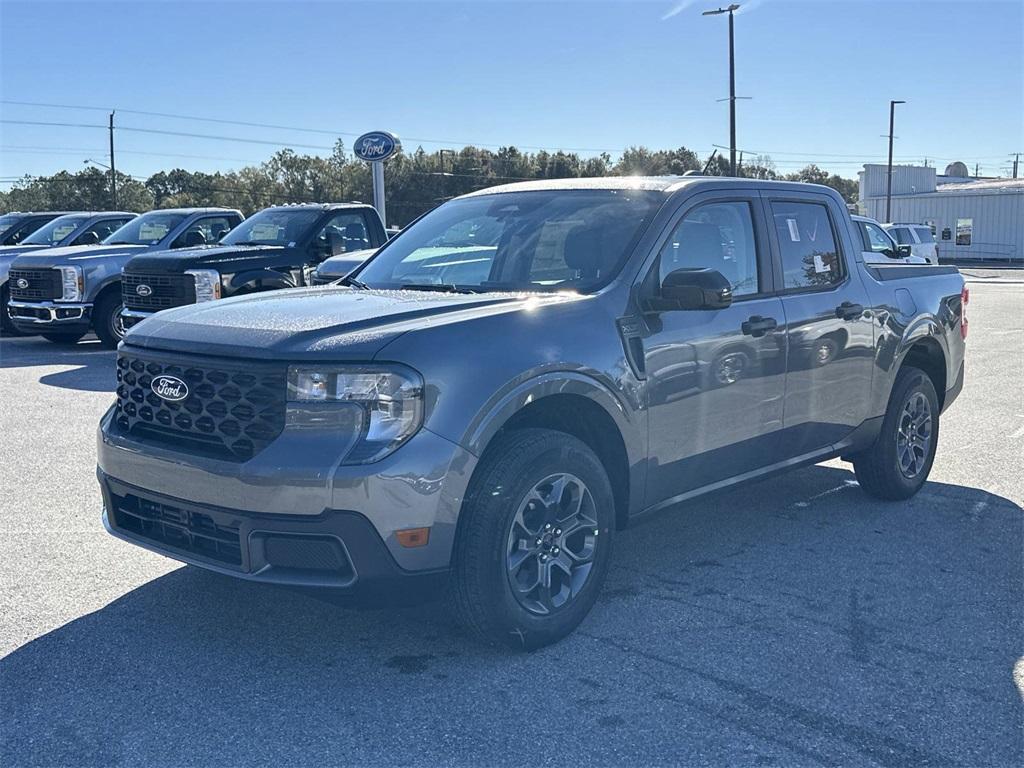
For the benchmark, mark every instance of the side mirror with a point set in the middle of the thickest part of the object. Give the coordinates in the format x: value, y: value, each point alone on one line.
x: 87, y: 238
x: 903, y: 251
x: 689, y: 289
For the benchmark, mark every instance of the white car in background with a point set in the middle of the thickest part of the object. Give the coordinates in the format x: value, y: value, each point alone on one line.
x: 919, y: 237
x: 879, y: 247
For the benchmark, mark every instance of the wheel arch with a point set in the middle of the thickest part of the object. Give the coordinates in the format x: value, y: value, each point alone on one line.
x: 258, y: 280
x: 583, y: 408
x: 927, y: 354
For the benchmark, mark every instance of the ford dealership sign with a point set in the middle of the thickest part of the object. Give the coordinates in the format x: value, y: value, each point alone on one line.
x: 376, y: 146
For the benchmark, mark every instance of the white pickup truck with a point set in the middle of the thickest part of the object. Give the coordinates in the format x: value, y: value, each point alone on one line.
x: 879, y: 246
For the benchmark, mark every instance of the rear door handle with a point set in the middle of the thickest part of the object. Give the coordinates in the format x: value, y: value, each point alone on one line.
x: 757, y: 326
x: 849, y: 311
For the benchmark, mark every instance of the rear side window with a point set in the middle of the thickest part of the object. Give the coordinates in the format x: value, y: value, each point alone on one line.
x: 924, y: 234
x: 807, y: 245
x: 902, y: 235
x: 716, y: 236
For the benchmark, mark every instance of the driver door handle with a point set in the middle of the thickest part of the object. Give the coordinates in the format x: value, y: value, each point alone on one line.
x: 757, y: 326
x: 849, y: 311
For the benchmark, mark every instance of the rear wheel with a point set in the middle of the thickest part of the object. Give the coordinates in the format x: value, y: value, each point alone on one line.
x: 898, y: 463
x: 106, y: 319
x: 63, y: 338
x: 534, y: 543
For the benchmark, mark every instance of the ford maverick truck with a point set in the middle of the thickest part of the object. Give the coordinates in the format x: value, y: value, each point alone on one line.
x: 275, y: 248
x: 521, y: 373
x: 62, y: 293
x: 80, y: 228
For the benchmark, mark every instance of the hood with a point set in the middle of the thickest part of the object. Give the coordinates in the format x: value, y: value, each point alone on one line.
x: 343, y: 263
x: 329, y: 323
x: 225, y: 258
x: 8, y: 252
x: 74, y: 254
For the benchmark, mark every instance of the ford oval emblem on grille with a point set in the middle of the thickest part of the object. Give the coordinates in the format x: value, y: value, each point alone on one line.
x: 143, y: 290
x: 169, y: 388
x: 22, y: 282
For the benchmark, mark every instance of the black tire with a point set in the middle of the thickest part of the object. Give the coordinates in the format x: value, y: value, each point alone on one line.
x: 487, y: 543
x: 106, y: 319
x: 882, y: 470
x: 6, y: 326
x: 63, y: 338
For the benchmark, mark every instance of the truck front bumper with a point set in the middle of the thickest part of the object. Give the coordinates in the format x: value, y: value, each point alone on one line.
x: 37, y: 316
x: 130, y: 317
x: 291, y: 514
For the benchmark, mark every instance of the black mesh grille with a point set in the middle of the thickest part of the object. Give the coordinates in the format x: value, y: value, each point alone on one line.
x: 38, y: 284
x: 164, y: 291
x: 177, y: 527
x: 230, y: 411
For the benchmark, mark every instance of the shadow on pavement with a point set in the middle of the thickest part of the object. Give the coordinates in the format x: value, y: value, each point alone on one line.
x: 792, y: 622
x: 90, y: 366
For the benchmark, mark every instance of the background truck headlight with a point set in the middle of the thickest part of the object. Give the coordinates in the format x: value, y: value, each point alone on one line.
x: 387, y: 399
x: 207, y: 283
x: 73, y: 285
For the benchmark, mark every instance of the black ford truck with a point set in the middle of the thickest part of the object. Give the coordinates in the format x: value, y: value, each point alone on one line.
x: 276, y: 248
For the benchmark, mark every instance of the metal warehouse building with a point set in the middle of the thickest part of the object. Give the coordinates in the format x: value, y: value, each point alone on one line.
x: 971, y: 218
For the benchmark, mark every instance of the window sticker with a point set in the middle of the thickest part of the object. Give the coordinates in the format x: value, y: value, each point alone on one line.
x: 819, y: 264
x: 794, y: 230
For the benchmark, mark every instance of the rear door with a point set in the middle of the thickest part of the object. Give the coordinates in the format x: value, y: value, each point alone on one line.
x: 715, y: 378
x: 829, y: 331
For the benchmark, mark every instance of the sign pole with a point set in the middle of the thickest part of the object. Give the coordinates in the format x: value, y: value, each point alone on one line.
x: 377, y: 167
x: 375, y: 147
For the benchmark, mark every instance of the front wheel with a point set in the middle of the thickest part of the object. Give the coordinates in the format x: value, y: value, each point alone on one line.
x: 535, y: 539
x: 898, y: 463
x: 107, y: 321
x: 63, y: 338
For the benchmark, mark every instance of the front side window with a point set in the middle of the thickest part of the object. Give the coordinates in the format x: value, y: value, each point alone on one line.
x: 21, y: 229
x: 52, y: 233
x: 349, y: 229
x: 104, y: 228
x: 273, y: 226
x: 204, y: 231
x: 964, y: 231
x: 147, y: 229
x: 551, y: 240
x: 717, y: 236
x: 924, y: 234
x: 810, y: 257
x: 875, y: 238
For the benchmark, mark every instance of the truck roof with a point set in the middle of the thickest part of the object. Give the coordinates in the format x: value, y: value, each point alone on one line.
x: 190, y: 211
x: 666, y: 184
x: 318, y: 206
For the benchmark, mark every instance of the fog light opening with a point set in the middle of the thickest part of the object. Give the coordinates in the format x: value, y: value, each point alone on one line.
x: 413, y: 537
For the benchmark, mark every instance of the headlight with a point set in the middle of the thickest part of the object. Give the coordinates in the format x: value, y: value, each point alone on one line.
x: 73, y: 285
x: 207, y: 283
x: 389, y: 400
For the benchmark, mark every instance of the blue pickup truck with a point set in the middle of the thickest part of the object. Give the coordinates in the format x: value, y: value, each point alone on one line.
x: 79, y: 228
x: 63, y: 293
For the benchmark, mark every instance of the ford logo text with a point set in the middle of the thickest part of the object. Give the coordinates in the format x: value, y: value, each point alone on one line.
x: 376, y: 146
x: 169, y: 388
x: 143, y: 290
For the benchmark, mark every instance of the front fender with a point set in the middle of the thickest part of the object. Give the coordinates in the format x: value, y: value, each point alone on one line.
x: 510, y: 401
x: 260, y: 279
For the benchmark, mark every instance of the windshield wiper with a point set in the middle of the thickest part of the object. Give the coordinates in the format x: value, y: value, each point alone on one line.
x: 441, y: 287
x: 354, y: 283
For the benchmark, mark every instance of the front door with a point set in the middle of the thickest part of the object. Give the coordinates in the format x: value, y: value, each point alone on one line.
x: 715, y: 378
x: 829, y: 329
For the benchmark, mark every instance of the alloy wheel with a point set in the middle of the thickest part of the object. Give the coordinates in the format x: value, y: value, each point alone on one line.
x: 552, y: 543
x: 914, y: 435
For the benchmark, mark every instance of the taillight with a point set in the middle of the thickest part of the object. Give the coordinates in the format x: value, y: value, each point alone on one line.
x: 965, y: 296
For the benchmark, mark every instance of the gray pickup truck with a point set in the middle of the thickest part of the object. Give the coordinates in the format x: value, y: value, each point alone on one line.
x: 78, y: 228
x: 63, y: 293
x: 519, y: 374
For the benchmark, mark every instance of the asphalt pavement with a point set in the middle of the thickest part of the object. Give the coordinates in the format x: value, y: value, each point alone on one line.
x: 793, y: 622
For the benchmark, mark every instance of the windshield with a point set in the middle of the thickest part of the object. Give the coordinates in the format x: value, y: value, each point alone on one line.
x: 517, y: 241
x: 274, y: 226
x: 148, y: 229
x: 55, y: 231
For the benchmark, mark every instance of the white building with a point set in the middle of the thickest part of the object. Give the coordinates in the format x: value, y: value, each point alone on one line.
x: 971, y: 218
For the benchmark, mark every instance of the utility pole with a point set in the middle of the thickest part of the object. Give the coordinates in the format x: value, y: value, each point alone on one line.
x: 1016, y: 160
x: 732, y: 83
x: 888, y: 185
x: 113, y: 173
x: 976, y: 167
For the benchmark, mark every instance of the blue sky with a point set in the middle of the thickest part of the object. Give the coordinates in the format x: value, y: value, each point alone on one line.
x: 581, y: 75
